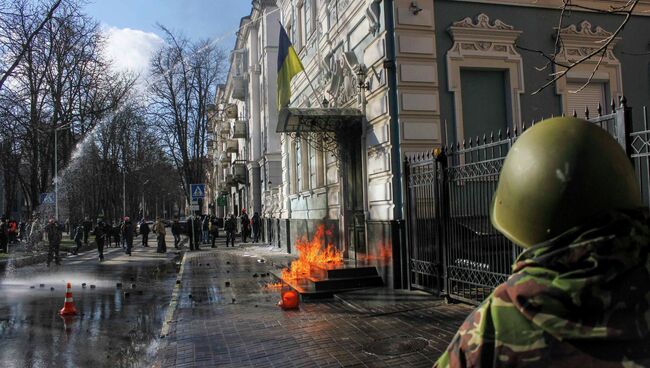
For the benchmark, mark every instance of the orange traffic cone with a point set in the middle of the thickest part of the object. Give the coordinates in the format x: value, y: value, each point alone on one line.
x: 68, y: 306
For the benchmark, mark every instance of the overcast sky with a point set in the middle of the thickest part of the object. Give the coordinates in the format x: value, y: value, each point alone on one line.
x: 132, y: 31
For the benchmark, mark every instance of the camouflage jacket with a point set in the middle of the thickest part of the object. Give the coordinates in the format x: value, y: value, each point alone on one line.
x: 581, y: 299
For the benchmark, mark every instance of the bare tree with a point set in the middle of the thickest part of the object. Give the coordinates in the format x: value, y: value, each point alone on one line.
x: 557, y: 68
x: 184, y: 80
x: 25, y: 15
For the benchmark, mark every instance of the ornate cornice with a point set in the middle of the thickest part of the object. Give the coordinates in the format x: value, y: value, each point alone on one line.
x: 482, y: 22
x: 584, y: 31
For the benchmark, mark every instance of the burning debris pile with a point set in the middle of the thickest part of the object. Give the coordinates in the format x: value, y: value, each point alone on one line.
x: 313, y: 252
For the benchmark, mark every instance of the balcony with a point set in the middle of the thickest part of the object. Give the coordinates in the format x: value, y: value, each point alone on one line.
x: 224, y: 158
x: 232, y: 145
x: 230, y: 181
x: 231, y: 111
x: 240, y: 129
x: 239, y: 171
x: 224, y: 128
x: 239, y: 84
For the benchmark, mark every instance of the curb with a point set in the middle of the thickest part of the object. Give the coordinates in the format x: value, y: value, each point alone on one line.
x: 171, y: 309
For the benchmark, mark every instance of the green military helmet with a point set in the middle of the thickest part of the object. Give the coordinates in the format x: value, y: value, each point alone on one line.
x: 558, y: 174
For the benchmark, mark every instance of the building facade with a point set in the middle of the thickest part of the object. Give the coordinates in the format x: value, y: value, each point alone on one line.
x: 384, y: 79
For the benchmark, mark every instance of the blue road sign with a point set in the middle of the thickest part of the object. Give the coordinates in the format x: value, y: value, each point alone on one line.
x: 197, y: 191
x: 48, y: 198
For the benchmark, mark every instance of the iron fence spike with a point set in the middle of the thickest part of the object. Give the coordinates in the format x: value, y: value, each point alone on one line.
x: 599, y: 110
x: 623, y: 101
x: 587, y: 112
x: 575, y: 114
x: 613, y: 105
x: 484, y: 138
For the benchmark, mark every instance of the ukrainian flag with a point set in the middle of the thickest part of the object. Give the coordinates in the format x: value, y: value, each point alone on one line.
x: 288, y: 66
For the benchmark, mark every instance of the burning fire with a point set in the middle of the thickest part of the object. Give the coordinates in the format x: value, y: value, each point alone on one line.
x: 311, y: 252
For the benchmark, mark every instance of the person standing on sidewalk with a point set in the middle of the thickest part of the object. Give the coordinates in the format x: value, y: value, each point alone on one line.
x: 159, y: 229
x: 214, y: 230
x: 127, y: 234
x: 176, y: 232
x: 54, y: 236
x: 205, y: 227
x: 78, y: 238
x: 144, y: 231
x: 4, y: 241
x: 257, y: 224
x: 230, y: 226
x: 88, y: 226
x: 100, y: 232
x: 245, y: 225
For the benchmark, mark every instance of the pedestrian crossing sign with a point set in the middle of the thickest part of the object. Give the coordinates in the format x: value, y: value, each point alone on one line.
x: 197, y: 191
x: 48, y: 198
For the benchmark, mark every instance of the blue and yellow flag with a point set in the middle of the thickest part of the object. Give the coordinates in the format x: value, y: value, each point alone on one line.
x: 288, y: 66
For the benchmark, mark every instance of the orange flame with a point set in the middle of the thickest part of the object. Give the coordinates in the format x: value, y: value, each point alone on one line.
x: 311, y: 252
x: 275, y: 285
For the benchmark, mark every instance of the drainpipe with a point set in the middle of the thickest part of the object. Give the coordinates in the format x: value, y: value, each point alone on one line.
x: 390, y: 66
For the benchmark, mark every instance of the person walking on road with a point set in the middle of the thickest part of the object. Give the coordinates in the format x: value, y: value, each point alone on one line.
x: 4, y: 240
x: 78, y: 238
x: 245, y: 225
x: 144, y: 231
x: 159, y: 229
x: 88, y: 226
x: 127, y: 234
x: 257, y: 224
x: 230, y: 226
x: 101, y: 233
x: 214, y: 230
x: 176, y: 232
x: 54, y: 235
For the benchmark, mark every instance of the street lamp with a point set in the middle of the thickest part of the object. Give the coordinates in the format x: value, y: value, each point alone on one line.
x: 56, y: 169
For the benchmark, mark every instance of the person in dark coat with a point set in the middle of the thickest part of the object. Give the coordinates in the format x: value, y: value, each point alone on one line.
x: 214, y: 230
x: 144, y: 230
x: 197, y: 232
x: 54, y: 235
x: 127, y: 234
x: 257, y: 224
x: 78, y: 238
x: 230, y: 226
x: 4, y: 241
x: 245, y: 225
x: 176, y: 232
x: 101, y: 233
x: 88, y: 226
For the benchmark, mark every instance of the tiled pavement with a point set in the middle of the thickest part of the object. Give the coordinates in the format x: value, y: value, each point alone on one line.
x: 240, y: 325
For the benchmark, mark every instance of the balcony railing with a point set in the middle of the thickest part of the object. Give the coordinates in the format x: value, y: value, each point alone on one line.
x: 232, y: 145
x: 239, y: 171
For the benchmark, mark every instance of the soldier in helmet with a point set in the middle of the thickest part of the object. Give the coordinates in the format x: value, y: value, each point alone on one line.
x: 101, y: 233
x: 579, y: 294
x: 54, y: 236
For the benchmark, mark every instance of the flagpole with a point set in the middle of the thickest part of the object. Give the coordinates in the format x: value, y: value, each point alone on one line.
x: 322, y: 101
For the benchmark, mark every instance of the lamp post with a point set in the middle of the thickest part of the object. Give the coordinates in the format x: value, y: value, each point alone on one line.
x: 144, y: 214
x: 56, y: 169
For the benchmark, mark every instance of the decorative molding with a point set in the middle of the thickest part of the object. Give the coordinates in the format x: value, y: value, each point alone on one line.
x: 485, y: 45
x: 482, y: 21
x: 642, y: 9
x: 578, y: 42
x: 584, y: 31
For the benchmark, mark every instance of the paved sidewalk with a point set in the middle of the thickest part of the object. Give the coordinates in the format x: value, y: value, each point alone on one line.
x: 224, y: 316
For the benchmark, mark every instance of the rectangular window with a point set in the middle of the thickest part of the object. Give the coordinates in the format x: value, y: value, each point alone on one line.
x: 485, y: 106
x: 313, y: 168
x: 588, y: 97
x: 309, y: 27
x: 298, y: 159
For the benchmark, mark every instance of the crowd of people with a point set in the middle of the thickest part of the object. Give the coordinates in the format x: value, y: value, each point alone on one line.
x: 199, y: 230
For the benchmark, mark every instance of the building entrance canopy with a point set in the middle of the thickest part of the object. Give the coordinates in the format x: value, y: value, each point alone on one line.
x: 296, y: 120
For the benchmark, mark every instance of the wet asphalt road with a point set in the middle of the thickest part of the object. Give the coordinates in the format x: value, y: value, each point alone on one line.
x: 115, y: 327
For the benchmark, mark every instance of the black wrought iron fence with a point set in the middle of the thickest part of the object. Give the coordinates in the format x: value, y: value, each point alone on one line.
x: 453, y: 248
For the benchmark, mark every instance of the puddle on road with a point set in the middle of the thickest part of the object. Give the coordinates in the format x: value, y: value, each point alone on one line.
x: 115, y: 327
